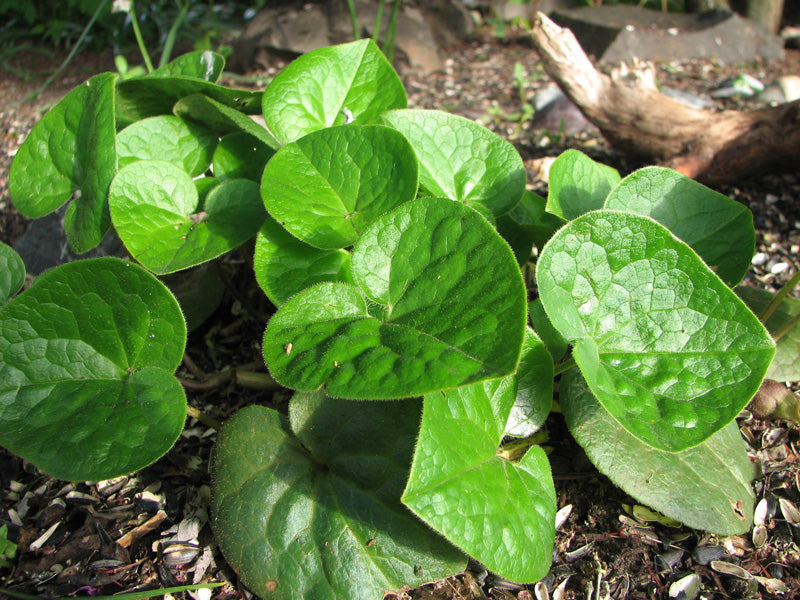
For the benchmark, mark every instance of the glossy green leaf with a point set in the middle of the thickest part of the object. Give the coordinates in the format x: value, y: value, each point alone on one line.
x: 533, y: 386
x: 222, y: 119
x: 665, y: 345
x: 70, y: 155
x: 144, y: 97
x: 284, y: 265
x: 184, y: 144
x: 527, y: 225
x: 12, y: 272
x: 501, y: 513
x: 719, y: 229
x: 331, y: 86
x: 310, y: 507
x: 157, y: 214
x: 554, y: 342
x: 201, y: 64
x: 462, y: 160
x: 240, y: 156
x: 786, y: 364
x: 706, y: 487
x: 328, y: 186
x: 439, y: 303
x: 87, y: 355
x: 577, y: 184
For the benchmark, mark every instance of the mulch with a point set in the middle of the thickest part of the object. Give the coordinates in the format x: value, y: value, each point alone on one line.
x: 151, y: 529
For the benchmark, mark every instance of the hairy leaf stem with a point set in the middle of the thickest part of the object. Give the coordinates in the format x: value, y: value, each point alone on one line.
x: 776, y: 301
x: 564, y: 366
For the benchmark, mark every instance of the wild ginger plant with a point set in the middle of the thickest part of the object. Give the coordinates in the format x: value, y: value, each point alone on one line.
x: 392, y: 244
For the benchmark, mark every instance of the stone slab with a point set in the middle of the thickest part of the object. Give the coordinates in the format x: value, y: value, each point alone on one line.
x: 620, y: 33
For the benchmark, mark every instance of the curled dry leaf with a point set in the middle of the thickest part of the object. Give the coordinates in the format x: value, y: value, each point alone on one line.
x: 789, y: 510
x: 726, y: 568
x: 775, y: 401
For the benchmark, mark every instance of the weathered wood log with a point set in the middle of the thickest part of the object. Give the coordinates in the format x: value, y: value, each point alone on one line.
x: 716, y: 148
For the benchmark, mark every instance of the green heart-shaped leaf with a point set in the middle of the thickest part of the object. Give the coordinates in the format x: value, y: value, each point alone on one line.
x: 462, y: 160
x: 706, y: 487
x: 533, y: 385
x: 201, y: 64
x: 240, y: 156
x: 785, y: 366
x: 719, y: 229
x: 444, y: 306
x: 554, y: 342
x: 186, y: 145
x: 328, y: 186
x: 221, y: 119
x: 157, y: 215
x: 71, y: 150
x: 331, y: 86
x: 497, y: 511
x: 12, y: 272
x: 87, y: 355
x: 665, y: 345
x: 285, y: 265
x: 577, y: 184
x: 310, y: 508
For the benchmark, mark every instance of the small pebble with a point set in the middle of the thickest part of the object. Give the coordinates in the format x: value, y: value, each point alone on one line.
x: 686, y: 588
x: 668, y: 560
x: 778, y: 268
x: 705, y: 554
x: 760, y: 258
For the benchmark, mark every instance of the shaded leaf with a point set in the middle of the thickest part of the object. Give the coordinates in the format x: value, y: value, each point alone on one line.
x: 222, y: 119
x: 577, y: 184
x: 706, y: 487
x: 240, y: 156
x: 87, y: 355
x: 201, y: 64
x: 786, y: 365
x: 285, y: 265
x: 70, y: 150
x: 309, y: 507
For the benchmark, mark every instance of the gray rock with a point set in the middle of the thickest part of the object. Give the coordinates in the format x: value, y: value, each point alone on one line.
x: 286, y: 30
x: 704, y: 555
x: 44, y: 244
x: 621, y: 33
x: 556, y: 113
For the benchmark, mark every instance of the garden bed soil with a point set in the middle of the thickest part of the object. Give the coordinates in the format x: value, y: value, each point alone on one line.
x: 151, y: 529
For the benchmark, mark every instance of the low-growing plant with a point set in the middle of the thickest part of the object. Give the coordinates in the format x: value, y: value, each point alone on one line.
x: 392, y: 243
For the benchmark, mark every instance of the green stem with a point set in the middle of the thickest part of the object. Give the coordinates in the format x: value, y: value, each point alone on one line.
x: 376, y: 29
x: 351, y: 7
x: 388, y: 45
x: 72, y: 52
x: 172, y: 36
x: 564, y: 366
x: 139, y: 39
x: 786, y: 328
x: 203, y: 417
x: 776, y: 301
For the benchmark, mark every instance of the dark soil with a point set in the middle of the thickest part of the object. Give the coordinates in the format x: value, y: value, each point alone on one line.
x: 120, y: 535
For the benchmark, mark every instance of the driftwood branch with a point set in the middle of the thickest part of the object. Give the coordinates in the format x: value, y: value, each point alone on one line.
x: 712, y: 147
